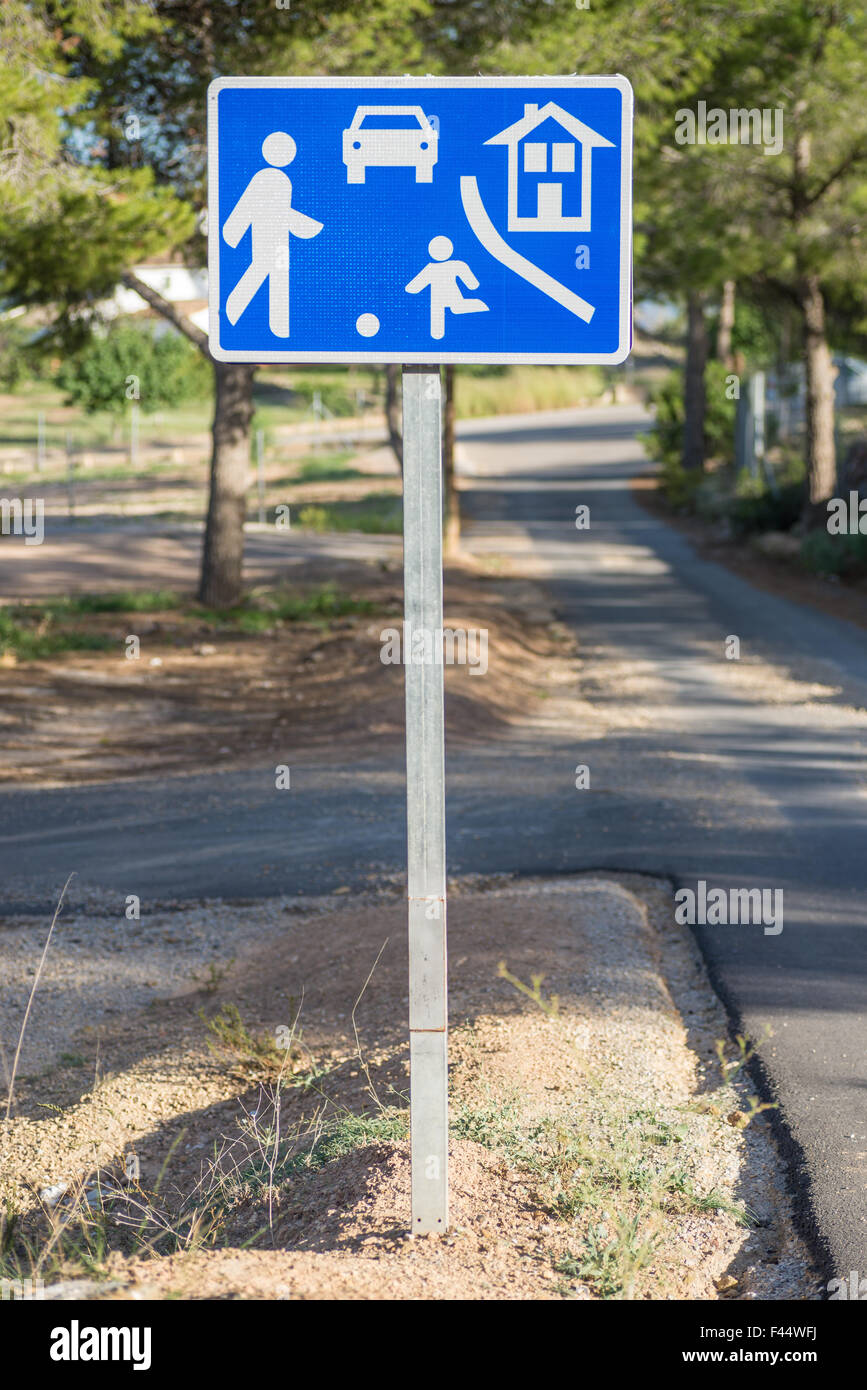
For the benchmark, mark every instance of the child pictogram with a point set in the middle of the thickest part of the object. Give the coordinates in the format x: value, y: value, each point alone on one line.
x: 441, y: 275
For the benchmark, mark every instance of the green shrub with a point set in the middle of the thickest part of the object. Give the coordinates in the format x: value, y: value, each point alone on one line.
x: 333, y: 394
x: 665, y: 437
x: 680, y: 485
x: 133, y: 364
x: 844, y: 556
x: 756, y: 508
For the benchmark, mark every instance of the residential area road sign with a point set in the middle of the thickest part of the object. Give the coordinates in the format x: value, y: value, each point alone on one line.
x: 420, y: 219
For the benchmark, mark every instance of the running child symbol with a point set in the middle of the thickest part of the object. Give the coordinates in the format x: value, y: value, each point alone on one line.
x: 442, y: 276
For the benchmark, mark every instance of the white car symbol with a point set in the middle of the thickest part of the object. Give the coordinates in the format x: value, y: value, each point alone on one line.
x: 369, y: 141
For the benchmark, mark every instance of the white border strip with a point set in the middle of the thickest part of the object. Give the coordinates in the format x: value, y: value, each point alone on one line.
x: 617, y: 81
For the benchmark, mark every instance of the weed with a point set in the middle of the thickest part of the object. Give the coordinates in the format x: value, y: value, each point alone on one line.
x: 71, y: 1059
x: 533, y: 991
x: 213, y: 977
x: 613, y: 1254
x: 232, y: 1040
x: 346, y: 1134
x: 730, y: 1067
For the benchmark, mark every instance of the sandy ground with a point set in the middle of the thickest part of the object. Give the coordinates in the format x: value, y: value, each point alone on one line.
x: 598, y: 1152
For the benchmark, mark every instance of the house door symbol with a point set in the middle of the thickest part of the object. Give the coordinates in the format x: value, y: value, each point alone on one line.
x: 549, y: 202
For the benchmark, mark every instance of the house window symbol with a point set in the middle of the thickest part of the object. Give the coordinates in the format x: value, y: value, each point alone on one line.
x: 549, y: 142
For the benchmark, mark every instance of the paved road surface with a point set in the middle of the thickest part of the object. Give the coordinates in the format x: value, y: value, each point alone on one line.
x: 741, y: 774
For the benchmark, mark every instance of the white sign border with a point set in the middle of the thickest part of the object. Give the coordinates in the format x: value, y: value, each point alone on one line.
x: 431, y: 354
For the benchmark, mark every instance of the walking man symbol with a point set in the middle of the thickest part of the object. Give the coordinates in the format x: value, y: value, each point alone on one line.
x: 442, y: 276
x: 265, y: 207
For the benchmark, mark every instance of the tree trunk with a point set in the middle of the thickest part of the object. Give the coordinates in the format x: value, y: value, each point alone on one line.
x: 725, y: 326
x: 694, y: 400
x: 223, y: 554
x: 392, y: 411
x: 452, y: 538
x: 821, y: 453
x: 223, y: 551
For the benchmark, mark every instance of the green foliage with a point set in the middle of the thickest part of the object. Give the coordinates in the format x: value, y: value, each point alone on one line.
x: 612, y: 1255
x: 755, y: 507
x: 753, y: 334
x: 348, y: 1133
x: 336, y: 468
x: 129, y: 363
x: 260, y: 612
x: 123, y: 601
x: 378, y: 514
x: 231, y: 1040
x: 73, y: 251
x: 665, y: 437
x: 15, y: 359
x: 332, y: 394
x: 843, y: 556
x: 31, y: 635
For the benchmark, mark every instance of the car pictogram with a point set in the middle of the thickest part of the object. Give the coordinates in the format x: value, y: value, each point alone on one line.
x: 390, y: 137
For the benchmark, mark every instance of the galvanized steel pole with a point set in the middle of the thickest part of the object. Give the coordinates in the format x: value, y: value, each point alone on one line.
x: 425, y: 794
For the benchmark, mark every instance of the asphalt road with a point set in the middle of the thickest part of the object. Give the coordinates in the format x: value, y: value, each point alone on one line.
x: 744, y: 774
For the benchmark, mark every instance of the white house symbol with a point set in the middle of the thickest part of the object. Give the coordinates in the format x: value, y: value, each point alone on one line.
x: 561, y: 203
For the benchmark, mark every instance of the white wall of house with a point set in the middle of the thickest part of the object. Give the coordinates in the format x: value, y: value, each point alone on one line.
x: 176, y: 283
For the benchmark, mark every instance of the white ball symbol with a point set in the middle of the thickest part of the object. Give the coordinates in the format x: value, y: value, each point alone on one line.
x: 367, y: 325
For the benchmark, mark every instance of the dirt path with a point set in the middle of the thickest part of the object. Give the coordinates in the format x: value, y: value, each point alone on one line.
x: 597, y: 1149
x: 201, y: 694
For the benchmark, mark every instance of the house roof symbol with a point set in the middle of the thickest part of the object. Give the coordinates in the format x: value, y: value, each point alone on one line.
x: 549, y: 216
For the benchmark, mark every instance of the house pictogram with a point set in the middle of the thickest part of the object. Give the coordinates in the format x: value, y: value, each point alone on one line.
x: 550, y: 153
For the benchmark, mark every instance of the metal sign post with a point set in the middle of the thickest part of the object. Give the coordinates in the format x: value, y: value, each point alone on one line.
x: 425, y: 794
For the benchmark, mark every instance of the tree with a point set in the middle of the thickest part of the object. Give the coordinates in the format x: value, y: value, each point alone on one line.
x: 805, y: 206
x: 392, y: 411
x: 147, y: 110
x: 130, y: 363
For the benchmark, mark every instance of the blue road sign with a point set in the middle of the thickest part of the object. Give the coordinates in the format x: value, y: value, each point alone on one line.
x: 420, y: 219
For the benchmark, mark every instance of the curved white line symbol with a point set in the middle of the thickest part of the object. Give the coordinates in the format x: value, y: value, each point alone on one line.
x: 502, y: 252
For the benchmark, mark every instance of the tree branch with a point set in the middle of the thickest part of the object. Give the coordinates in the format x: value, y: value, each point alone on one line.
x: 785, y: 291
x: 167, y: 310
x: 854, y: 157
